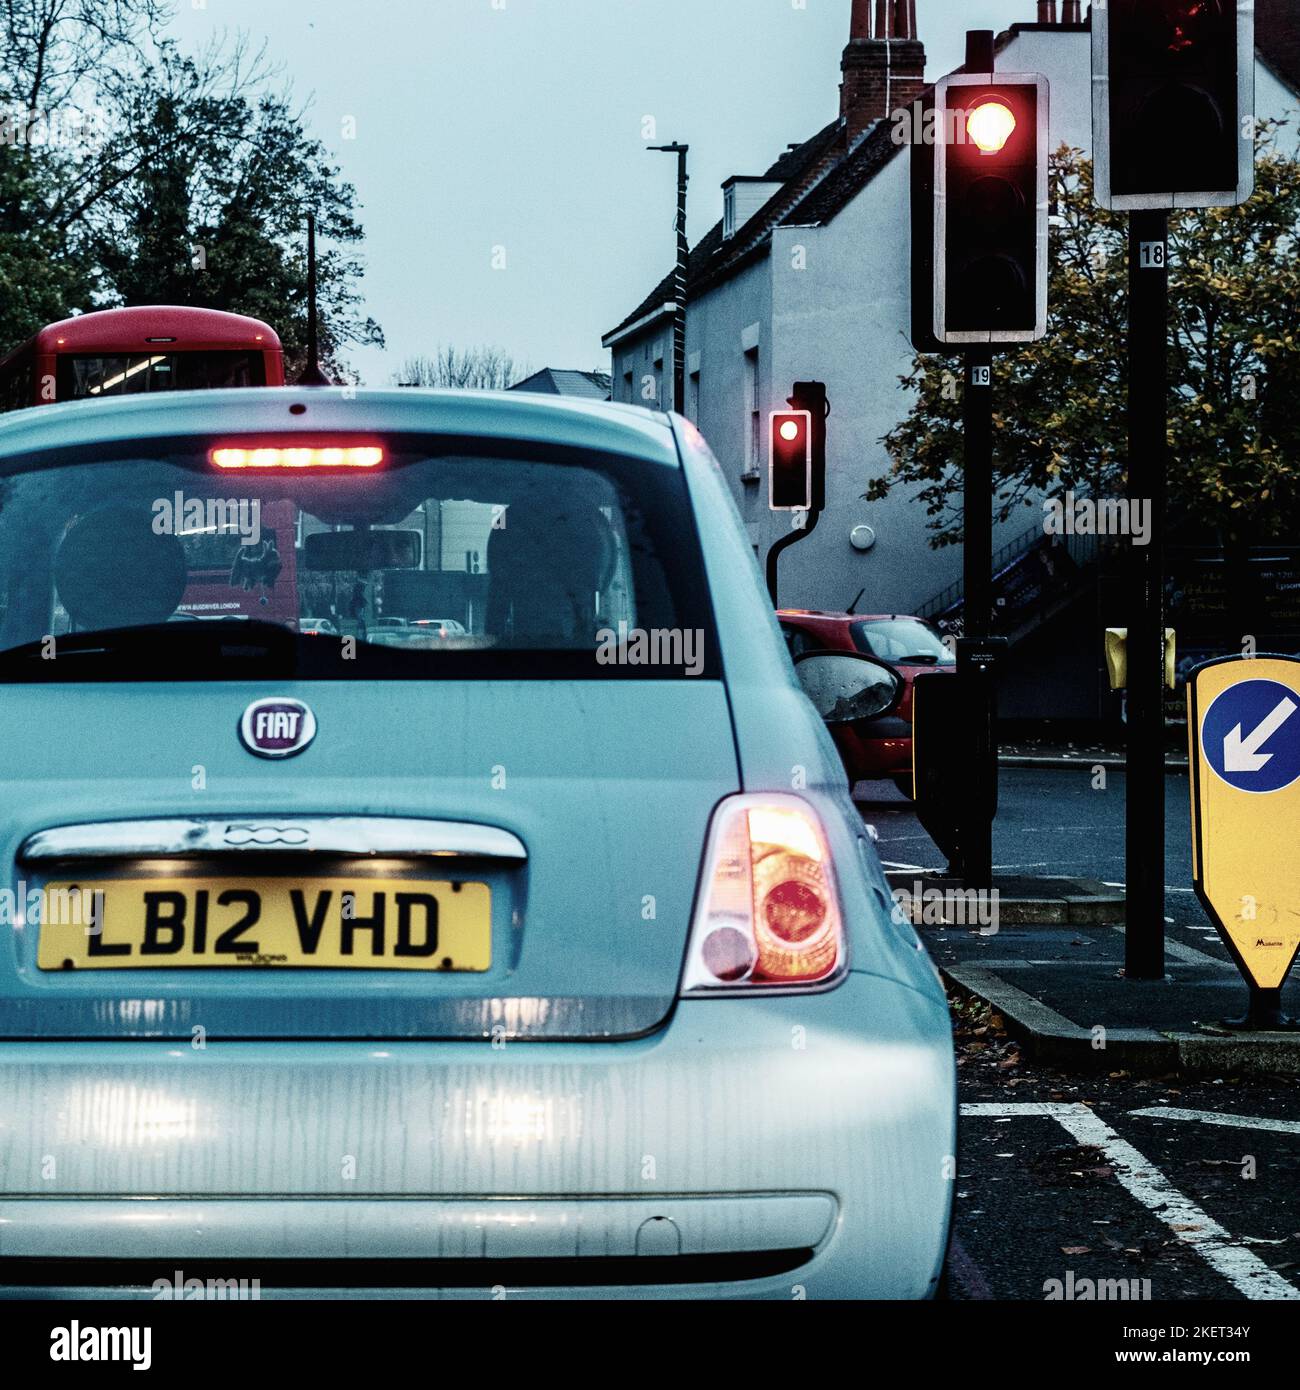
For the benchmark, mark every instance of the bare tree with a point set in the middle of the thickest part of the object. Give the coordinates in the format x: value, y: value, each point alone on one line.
x: 52, y: 47
x: 470, y: 369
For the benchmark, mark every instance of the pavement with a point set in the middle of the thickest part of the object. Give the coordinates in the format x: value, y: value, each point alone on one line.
x: 1052, y: 753
x: 1050, y: 959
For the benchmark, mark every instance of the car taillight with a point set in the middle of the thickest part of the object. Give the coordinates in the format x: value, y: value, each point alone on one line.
x: 768, y: 913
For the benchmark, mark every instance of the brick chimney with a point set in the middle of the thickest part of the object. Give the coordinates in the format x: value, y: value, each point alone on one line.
x: 1047, y: 11
x: 884, y: 64
x: 1073, y: 12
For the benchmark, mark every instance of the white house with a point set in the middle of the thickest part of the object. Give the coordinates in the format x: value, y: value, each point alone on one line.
x: 807, y: 277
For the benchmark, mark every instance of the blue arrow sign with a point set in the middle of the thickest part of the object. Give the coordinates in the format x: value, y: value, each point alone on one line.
x: 1251, y: 736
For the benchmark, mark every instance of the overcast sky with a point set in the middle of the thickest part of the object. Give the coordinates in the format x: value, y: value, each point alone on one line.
x: 518, y: 124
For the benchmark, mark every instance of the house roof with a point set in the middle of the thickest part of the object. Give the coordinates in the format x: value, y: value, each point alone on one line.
x: 556, y: 381
x: 1277, y: 36
x: 821, y: 177
x: 714, y: 258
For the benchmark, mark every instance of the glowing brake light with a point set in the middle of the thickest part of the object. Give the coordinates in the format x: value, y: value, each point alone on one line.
x: 354, y: 456
x: 769, y: 913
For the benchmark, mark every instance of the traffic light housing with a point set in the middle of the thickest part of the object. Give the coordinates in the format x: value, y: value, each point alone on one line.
x: 790, y: 478
x: 922, y: 207
x: 990, y: 208
x: 1173, y: 97
x: 797, y: 481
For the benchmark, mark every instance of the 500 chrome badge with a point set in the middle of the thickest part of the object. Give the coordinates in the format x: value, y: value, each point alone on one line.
x: 277, y: 728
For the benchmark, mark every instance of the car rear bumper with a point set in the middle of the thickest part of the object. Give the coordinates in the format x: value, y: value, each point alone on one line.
x: 751, y: 1148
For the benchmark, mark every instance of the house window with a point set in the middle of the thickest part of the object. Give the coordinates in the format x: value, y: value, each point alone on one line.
x: 693, y: 398
x: 753, y: 426
x: 729, y: 211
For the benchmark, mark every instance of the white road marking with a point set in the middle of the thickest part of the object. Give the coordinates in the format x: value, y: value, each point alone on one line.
x: 1240, y: 1266
x: 904, y: 868
x: 1214, y: 1117
x: 1189, y: 955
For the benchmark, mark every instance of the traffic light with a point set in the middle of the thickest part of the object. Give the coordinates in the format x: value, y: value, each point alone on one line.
x: 991, y: 205
x: 1173, y: 97
x: 790, y: 479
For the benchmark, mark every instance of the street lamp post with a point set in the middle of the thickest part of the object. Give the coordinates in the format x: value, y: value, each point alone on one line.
x: 679, y: 278
x: 312, y: 375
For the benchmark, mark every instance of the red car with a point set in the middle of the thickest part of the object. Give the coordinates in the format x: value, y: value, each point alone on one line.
x: 880, y: 747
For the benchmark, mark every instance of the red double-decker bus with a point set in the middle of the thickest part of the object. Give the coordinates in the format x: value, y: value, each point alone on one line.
x: 118, y: 352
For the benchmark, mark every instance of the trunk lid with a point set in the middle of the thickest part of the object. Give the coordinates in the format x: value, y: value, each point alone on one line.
x: 588, y: 932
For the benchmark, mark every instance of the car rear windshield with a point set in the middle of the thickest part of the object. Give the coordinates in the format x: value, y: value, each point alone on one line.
x: 88, y: 378
x: 903, y: 640
x: 442, y: 561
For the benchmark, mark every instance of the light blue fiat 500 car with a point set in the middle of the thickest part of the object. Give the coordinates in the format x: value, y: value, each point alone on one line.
x: 424, y: 872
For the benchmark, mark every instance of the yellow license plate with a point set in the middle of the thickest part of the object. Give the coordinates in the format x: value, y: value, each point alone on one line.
x: 266, y: 923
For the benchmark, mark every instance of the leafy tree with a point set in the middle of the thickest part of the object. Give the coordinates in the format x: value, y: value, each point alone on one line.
x: 1060, y: 404
x: 192, y: 187
x: 50, y: 51
x: 217, y: 217
x: 39, y: 278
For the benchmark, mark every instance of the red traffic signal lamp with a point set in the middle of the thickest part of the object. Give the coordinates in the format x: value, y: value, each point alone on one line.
x: 990, y: 209
x: 1173, y: 97
x: 790, y: 479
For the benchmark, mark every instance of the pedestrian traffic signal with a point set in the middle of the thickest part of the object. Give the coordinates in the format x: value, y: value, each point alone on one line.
x: 1173, y: 101
x: 990, y: 214
x: 790, y: 479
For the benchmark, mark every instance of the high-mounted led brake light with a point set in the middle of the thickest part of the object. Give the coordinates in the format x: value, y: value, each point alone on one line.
x: 351, y: 456
x: 768, y: 914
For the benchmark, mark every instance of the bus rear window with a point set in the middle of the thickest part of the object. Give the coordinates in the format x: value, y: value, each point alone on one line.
x: 89, y: 378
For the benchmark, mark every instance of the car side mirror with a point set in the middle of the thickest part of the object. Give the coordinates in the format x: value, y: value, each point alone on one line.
x: 846, y: 688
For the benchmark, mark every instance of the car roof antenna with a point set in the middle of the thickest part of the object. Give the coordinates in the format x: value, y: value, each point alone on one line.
x: 311, y: 373
x: 853, y: 607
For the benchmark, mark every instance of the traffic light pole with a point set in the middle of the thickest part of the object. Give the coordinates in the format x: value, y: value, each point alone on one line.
x: 1144, y: 945
x: 779, y: 546
x: 977, y: 503
x: 974, y: 665
x: 809, y: 396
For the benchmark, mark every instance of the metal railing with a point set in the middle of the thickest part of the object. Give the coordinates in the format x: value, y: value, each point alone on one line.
x: 1082, y: 552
